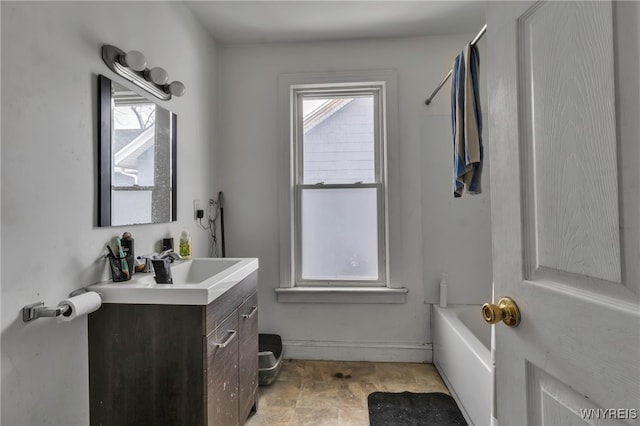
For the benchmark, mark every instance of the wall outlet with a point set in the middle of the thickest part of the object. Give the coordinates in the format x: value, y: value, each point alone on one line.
x: 196, y: 208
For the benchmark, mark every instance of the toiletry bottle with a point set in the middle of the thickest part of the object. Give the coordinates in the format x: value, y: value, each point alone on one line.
x: 443, y: 291
x: 185, y: 245
x: 127, y: 248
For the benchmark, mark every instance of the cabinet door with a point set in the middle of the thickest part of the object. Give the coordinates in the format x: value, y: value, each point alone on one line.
x: 248, y: 357
x: 222, y: 373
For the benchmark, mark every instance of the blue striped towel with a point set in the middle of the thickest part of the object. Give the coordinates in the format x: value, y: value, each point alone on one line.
x: 466, y: 120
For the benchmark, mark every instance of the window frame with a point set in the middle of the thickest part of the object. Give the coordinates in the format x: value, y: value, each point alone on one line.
x: 376, y: 89
x: 286, y: 292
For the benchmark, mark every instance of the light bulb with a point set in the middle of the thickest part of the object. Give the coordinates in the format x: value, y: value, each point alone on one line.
x: 158, y: 75
x: 176, y: 88
x: 134, y: 60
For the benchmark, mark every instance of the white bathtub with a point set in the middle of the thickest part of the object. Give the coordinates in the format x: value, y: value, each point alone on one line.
x: 462, y: 356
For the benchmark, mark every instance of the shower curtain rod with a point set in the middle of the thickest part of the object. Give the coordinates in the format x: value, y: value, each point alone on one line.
x: 444, y: 80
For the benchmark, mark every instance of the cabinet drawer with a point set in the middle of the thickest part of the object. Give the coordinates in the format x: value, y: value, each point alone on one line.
x: 248, y: 356
x: 220, y: 308
x: 222, y: 373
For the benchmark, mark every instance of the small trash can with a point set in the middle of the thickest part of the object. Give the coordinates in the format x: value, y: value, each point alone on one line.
x: 269, y: 358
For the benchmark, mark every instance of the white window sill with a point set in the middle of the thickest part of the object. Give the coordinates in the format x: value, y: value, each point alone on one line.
x: 341, y: 295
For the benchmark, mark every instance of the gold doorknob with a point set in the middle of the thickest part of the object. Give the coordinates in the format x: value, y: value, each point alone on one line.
x: 506, y: 311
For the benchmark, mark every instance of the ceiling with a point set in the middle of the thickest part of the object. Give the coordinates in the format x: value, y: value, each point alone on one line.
x: 232, y: 22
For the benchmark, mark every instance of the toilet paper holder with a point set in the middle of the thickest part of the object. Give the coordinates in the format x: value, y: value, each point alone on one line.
x: 38, y: 310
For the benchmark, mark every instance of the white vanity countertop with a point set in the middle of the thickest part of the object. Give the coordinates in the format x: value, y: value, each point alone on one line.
x: 196, y: 282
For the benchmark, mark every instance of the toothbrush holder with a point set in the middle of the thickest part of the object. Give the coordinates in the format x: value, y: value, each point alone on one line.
x: 115, y: 264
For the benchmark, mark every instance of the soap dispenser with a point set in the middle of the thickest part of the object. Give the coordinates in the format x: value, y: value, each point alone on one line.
x: 185, y: 245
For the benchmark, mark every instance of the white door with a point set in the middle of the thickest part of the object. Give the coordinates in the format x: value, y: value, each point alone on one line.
x: 564, y: 141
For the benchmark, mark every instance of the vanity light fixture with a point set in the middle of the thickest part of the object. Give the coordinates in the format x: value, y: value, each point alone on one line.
x: 157, y: 75
x: 132, y: 65
x: 134, y: 60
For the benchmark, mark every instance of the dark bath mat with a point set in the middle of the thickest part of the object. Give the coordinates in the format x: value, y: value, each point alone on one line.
x: 413, y: 409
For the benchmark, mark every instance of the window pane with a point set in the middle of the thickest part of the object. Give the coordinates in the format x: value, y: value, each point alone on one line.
x: 338, y: 140
x: 130, y: 207
x: 339, y: 234
x: 133, y: 140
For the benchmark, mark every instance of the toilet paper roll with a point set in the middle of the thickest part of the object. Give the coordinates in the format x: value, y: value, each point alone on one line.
x: 80, y: 305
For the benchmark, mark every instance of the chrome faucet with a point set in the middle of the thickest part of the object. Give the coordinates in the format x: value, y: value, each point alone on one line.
x: 168, y: 254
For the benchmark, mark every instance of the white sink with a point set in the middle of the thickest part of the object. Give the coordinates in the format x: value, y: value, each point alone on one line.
x: 198, y: 270
x: 195, y: 282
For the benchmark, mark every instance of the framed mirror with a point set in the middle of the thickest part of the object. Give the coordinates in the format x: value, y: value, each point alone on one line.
x: 137, y: 149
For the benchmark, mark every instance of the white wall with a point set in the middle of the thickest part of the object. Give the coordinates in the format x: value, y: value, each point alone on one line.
x: 456, y: 232
x: 50, y: 243
x: 249, y: 177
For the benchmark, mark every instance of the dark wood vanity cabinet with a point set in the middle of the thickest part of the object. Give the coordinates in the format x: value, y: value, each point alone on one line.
x: 232, y: 348
x: 247, y: 359
x: 175, y: 364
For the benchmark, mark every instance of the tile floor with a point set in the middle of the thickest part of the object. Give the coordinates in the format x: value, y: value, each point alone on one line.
x: 334, y: 393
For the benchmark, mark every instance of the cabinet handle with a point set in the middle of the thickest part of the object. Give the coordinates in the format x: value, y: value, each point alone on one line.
x: 232, y: 334
x: 254, y: 309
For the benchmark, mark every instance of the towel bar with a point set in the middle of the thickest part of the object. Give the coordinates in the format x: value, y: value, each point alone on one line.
x: 446, y: 77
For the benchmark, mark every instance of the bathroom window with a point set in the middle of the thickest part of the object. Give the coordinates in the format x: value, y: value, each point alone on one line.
x: 338, y: 185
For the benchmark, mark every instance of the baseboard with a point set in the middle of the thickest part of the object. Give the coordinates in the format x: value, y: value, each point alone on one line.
x: 357, y: 351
